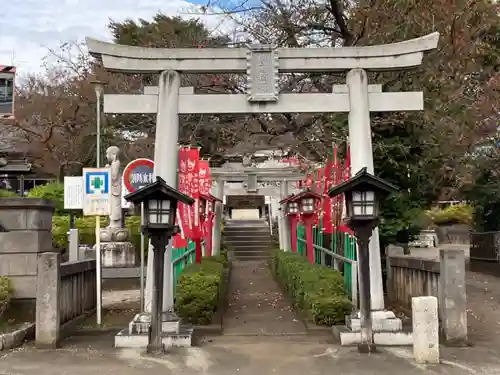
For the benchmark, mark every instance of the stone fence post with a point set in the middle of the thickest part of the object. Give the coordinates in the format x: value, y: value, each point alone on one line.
x: 453, y: 296
x: 26, y: 230
x: 47, y: 300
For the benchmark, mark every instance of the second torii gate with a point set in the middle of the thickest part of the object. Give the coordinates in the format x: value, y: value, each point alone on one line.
x: 251, y: 177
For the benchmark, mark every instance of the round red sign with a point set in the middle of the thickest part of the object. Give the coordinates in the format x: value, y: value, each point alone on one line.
x: 138, y: 173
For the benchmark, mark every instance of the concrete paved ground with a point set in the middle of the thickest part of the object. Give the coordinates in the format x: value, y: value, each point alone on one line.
x: 280, y: 355
x: 256, y: 304
x: 227, y: 355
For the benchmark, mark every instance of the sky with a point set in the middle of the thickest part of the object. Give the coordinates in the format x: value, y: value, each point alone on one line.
x: 28, y: 28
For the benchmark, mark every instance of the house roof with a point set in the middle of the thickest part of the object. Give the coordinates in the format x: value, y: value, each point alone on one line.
x: 14, y: 166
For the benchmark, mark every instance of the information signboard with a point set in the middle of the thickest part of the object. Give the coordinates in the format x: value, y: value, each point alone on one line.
x: 96, y: 191
x: 73, y: 192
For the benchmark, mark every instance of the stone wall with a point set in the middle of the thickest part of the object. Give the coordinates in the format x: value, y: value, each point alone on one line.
x: 26, y: 231
x: 453, y: 234
x: 409, y: 277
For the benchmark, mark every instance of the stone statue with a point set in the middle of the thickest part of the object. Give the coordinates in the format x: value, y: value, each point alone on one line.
x: 114, y: 232
x: 116, y: 251
x: 115, y: 212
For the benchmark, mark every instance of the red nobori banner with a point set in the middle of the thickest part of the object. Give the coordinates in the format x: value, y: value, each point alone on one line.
x: 190, y: 167
x: 183, y: 187
x: 205, y: 179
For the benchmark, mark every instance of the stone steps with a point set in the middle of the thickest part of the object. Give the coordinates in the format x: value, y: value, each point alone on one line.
x: 247, y: 239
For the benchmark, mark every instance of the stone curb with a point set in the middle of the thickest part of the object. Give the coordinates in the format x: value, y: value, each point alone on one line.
x: 14, y: 339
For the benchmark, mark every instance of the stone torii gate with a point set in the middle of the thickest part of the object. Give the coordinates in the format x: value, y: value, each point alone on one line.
x: 263, y: 63
x: 251, y: 177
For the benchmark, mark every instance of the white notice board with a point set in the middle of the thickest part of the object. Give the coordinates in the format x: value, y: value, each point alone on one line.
x: 73, y: 192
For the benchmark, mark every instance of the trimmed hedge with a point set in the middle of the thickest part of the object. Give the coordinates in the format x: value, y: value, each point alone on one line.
x: 86, y: 226
x: 7, y: 194
x: 197, y: 290
x: 53, y: 191
x: 316, y: 290
x: 6, y: 291
x: 451, y: 215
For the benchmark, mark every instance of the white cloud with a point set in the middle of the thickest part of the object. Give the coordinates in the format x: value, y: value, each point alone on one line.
x: 29, y: 27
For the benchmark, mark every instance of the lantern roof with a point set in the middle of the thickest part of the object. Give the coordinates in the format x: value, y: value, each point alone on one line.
x: 304, y: 194
x: 158, y: 190
x: 209, y: 197
x: 363, y: 181
x: 214, y: 198
x: 205, y: 197
x: 287, y: 199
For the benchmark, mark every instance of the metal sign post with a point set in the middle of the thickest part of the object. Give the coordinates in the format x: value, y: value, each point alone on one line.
x: 96, y: 203
x: 143, y: 305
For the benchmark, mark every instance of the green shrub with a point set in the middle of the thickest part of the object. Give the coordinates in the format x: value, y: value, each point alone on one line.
x: 53, y: 191
x: 316, y: 290
x: 4, y: 193
x: 457, y: 214
x: 197, y: 290
x: 6, y: 291
x: 86, y: 226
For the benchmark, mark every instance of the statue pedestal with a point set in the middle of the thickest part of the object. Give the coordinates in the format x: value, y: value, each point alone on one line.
x: 116, y: 254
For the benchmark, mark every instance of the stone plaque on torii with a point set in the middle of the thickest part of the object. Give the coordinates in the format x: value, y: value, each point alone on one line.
x: 262, y: 63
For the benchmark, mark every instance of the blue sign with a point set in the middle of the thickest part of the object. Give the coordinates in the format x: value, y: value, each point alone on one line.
x: 96, y: 182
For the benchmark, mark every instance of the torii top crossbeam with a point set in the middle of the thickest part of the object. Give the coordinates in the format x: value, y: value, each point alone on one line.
x: 260, y: 174
x: 395, y: 56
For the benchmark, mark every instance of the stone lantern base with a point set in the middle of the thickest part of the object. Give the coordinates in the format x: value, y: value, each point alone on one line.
x: 387, y: 330
x: 173, y: 333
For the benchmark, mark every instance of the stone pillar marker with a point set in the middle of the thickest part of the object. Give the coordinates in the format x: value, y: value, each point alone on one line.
x: 453, y: 296
x: 74, y: 244
x: 425, y: 329
x: 47, y: 300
